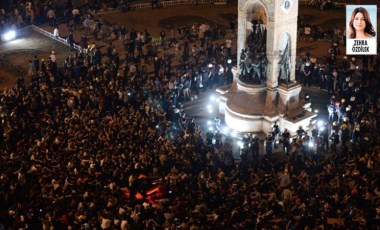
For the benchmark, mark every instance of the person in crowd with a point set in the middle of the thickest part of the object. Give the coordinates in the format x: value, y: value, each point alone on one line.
x: 94, y: 145
x: 56, y: 32
x: 51, y: 16
x: 285, y: 141
x: 307, y: 74
x: 155, y: 4
x: 269, y: 144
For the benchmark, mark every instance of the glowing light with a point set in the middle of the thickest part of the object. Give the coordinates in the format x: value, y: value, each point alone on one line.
x: 212, y: 98
x: 240, y: 144
x: 210, y: 128
x: 320, y: 123
x: 210, y: 65
x: 209, y: 122
x: 311, y: 144
x: 226, y: 129
x: 322, y: 128
x: 10, y: 35
x: 209, y: 107
x: 233, y: 134
x: 316, y: 111
x: 229, y: 61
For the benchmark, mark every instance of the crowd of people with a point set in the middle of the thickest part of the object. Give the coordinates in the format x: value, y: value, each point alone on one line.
x: 21, y: 13
x: 102, y: 143
x: 322, y: 4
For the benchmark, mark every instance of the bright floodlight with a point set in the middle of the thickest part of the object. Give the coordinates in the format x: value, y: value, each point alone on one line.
x: 320, y: 123
x: 212, y: 98
x: 311, y: 144
x: 226, y: 129
x: 210, y: 128
x: 229, y: 61
x: 209, y: 107
x: 10, y: 35
x: 240, y: 144
x: 209, y: 122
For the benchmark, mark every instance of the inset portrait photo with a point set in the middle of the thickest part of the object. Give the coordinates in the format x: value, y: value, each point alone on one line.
x: 361, y: 24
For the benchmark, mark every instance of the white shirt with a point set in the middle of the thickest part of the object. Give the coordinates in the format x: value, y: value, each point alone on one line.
x: 56, y: 32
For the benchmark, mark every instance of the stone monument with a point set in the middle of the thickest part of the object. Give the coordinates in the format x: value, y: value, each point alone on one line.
x: 264, y: 89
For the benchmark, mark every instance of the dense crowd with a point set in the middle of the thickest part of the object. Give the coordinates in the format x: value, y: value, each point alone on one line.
x: 101, y: 143
x: 322, y: 4
x: 20, y: 13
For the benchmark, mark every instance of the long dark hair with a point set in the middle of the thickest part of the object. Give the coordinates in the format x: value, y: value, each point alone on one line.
x: 368, y: 25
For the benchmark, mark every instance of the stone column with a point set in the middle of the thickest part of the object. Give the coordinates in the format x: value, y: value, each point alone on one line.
x: 242, y: 33
x: 272, y: 68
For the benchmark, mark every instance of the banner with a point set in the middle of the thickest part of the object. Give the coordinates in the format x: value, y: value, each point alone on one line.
x: 361, y: 29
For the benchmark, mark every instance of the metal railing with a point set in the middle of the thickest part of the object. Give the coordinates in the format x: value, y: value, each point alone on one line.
x: 50, y: 35
x: 165, y: 3
x: 140, y: 5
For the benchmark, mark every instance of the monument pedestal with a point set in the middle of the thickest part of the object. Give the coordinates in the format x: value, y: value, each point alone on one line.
x: 267, y: 42
x: 292, y: 111
x: 258, y: 108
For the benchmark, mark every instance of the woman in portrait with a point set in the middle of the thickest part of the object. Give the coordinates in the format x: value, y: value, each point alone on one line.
x: 360, y: 24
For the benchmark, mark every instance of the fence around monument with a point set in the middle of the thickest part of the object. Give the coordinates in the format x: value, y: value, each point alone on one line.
x: 165, y: 3
x: 51, y: 35
x: 155, y: 40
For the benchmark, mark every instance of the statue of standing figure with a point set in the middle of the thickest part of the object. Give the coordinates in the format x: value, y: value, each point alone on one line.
x: 285, y: 65
x: 253, y: 62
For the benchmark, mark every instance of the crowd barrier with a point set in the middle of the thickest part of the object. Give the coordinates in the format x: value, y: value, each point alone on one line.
x: 155, y: 40
x: 141, y: 5
x: 50, y: 35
